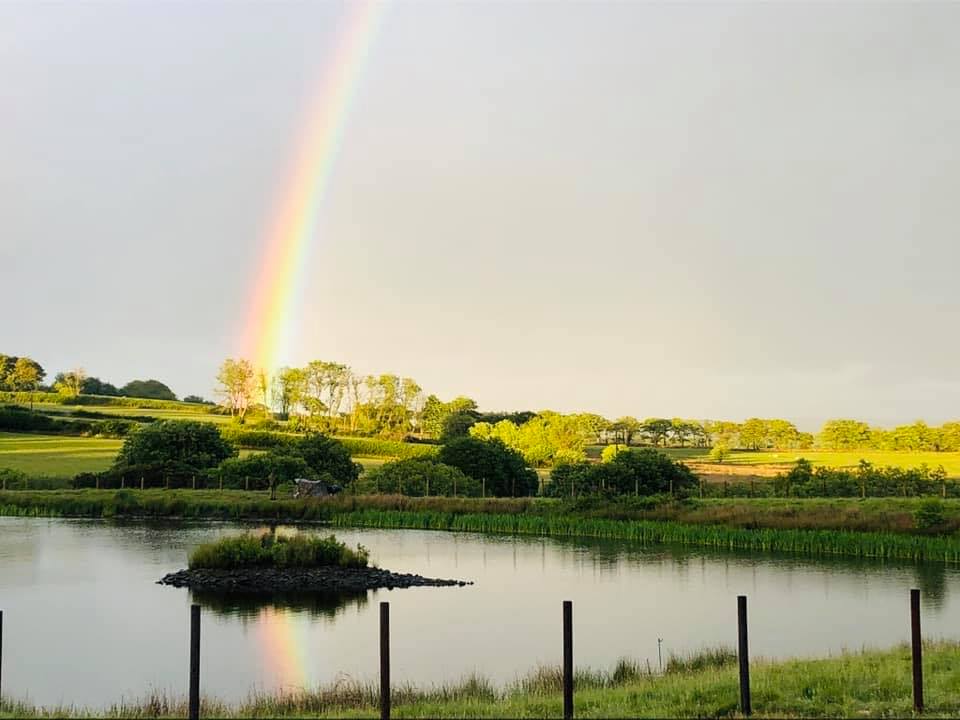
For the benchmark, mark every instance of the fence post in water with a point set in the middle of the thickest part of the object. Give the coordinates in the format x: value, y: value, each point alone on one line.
x: 194, y: 662
x: 567, y: 659
x: 385, y: 661
x: 743, y: 655
x: 917, y: 650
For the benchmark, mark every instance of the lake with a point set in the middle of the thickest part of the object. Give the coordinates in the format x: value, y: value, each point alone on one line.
x: 85, y: 622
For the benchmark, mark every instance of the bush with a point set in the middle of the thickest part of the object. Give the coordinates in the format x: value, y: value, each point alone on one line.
x: 641, y: 472
x: 502, y: 469
x: 326, y: 457
x: 415, y: 477
x: 930, y: 515
x: 258, y: 469
x: 270, y: 550
x: 191, y: 443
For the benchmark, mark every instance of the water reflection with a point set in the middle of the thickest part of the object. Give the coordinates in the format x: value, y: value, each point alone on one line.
x: 248, y: 606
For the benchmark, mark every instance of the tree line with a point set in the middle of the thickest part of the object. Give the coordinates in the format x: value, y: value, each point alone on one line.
x: 26, y: 375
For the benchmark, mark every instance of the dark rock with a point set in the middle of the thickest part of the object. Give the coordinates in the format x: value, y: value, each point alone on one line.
x: 321, y: 579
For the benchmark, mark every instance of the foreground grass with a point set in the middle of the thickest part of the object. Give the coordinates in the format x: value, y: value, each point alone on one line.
x: 852, y: 685
x: 767, y: 525
x: 56, y: 455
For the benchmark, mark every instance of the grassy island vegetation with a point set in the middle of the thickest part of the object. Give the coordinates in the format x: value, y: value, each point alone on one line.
x: 867, y: 684
x: 280, y: 551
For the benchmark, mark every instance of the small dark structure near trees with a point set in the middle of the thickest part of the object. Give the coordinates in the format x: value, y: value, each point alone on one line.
x: 314, y: 488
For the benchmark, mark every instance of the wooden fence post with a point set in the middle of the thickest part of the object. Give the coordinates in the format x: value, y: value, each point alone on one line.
x: 743, y: 655
x: 123, y: 481
x: 194, y: 662
x: 385, y: 661
x: 221, y: 481
x: 428, y: 486
x: 98, y: 481
x: 1, y: 652
x: 483, y: 487
x: 193, y: 481
x: 246, y: 482
x: 141, y: 482
x: 567, y: 659
x: 917, y: 650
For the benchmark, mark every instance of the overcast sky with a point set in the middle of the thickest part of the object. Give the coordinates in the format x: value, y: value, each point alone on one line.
x: 701, y: 210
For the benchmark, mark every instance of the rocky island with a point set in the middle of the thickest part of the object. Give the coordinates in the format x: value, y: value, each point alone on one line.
x: 251, y: 564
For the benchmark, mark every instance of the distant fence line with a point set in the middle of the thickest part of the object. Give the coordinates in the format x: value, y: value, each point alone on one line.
x: 743, y: 657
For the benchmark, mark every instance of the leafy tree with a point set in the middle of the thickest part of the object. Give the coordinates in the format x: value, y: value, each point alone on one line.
x: 326, y: 458
x: 95, y: 386
x: 196, y: 399
x: 289, y: 389
x: 457, y: 425
x: 192, y: 443
x: 625, y: 428
x: 502, y: 468
x: 754, y: 434
x: 656, y: 429
x: 611, y: 451
x: 26, y: 375
x: 70, y: 383
x: 418, y: 476
x: 149, y: 389
x: 719, y: 452
x: 544, y: 440
x: 845, y: 435
x: 644, y: 472
x: 264, y: 470
x: 237, y: 383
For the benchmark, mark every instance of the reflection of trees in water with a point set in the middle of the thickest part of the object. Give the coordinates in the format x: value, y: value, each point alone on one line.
x: 932, y: 582
x: 930, y: 578
x: 249, y: 605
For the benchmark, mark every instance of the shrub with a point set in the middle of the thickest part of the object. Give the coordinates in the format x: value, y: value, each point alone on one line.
x: 271, y: 550
x: 415, y: 477
x: 641, y: 472
x: 259, y: 468
x: 930, y: 515
x: 192, y: 443
x: 326, y: 456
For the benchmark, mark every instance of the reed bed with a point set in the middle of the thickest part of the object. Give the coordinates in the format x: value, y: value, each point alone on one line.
x: 651, y: 532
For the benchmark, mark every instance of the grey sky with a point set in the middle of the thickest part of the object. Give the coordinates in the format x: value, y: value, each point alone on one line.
x: 701, y: 210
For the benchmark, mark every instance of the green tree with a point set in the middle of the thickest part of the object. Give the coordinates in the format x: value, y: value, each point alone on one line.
x: 327, y: 458
x: 500, y: 468
x: 96, y: 386
x: 70, y: 383
x: 26, y: 375
x: 289, y: 389
x: 149, y: 389
x: 656, y: 430
x: 237, y: 383
x: 754, y: 434
x: 419, y: 477
x: 196, y: 444
x: 845, y: 435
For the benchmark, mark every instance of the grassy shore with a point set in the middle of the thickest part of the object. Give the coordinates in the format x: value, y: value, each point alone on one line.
x: 873, y: 683
x: 795, y: 526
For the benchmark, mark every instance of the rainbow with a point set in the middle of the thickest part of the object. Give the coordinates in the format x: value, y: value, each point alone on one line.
x: 284, y: 650
x: 270, y: 323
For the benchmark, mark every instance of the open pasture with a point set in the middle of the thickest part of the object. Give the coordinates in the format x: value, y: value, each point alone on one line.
x: 770, y: 462
x: 56, y: 455
x: 120, y: 411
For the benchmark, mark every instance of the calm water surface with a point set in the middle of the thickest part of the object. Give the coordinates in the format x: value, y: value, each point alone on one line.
x: 85, y: 622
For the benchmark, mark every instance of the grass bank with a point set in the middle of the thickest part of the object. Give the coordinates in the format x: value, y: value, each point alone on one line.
x: 853, y: 685
x: 706, y: 523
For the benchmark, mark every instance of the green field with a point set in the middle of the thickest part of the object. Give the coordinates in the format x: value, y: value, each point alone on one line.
x: 830, y: 458
x: 120, y: 411
x: 56, y: 455
x: 65, y: 456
